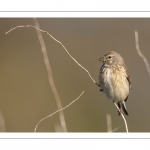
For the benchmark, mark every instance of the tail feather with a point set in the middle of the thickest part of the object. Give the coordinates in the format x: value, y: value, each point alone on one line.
x: 124, y: 108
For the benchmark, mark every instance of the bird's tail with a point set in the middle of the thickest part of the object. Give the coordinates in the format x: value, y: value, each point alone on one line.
x: 124, y: 108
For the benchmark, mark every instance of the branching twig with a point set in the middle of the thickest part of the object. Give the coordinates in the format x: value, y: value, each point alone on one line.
x: 140, y: 53
x: 57, y: 111
x: 70, y: 57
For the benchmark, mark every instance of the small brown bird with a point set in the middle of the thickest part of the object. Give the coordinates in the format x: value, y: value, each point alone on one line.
x: 114, y: 79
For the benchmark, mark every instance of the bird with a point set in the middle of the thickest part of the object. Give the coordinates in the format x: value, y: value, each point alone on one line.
x: 114, y: 80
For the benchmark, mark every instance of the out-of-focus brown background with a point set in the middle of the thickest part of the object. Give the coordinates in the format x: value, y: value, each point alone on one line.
x: 25, y: 94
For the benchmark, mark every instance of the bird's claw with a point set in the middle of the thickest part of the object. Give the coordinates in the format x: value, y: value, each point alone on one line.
x: 119, y: 112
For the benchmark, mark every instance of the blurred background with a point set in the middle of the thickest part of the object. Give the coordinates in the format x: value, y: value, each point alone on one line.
x: 25, y: 94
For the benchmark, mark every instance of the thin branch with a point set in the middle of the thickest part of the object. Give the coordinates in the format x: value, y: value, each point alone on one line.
x: 109, y: 123
x: 58, y: 128
x: 70, y: 57
x: 2, y: 123
x: 57, y: 111
x: 140, y: 53
x: 126, y: 126
x: 50, y: 76
x: 60, y: 44
x: 115, y: 129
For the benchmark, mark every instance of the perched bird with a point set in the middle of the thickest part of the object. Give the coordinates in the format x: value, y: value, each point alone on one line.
x: 114, y: 79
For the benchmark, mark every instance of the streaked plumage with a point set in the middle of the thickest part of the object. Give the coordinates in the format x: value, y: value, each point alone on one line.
x: 114, y: 79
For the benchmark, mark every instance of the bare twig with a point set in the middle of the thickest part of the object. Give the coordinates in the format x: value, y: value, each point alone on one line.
x: 57, y: 111
x: 126, y: 126
x: 109, y: 124
x: 70, y: 57
x: 116, y: 129
x: 58, y: 128
x: 140, y: 53
x: 50, y: 76
x: 2, y: 123
x: 60, y: 44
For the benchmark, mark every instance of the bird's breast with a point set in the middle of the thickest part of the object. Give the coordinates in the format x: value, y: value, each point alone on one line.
x: 116, y: 86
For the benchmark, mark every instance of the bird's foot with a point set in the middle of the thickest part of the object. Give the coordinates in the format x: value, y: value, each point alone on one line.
x: 119, y: 112
x: 101, y: 90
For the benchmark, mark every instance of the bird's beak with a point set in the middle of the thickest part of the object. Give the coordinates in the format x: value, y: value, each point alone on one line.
x: 102, y: 59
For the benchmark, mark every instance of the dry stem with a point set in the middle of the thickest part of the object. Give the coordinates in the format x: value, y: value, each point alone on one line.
x: 70, y: 57
x: 126, y: 126
x: 60, y: 44
x: 57, y: 111
x: 50, y: 76
x: 140, y: 53
x: 109, y: 124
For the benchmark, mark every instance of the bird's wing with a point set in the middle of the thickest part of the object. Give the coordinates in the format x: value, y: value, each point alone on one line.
x: 128, y: 78
x: 129, y: 81
x: 101, y: 78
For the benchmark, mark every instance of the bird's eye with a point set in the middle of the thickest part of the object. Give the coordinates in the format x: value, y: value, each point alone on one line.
x: 109, y: 57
